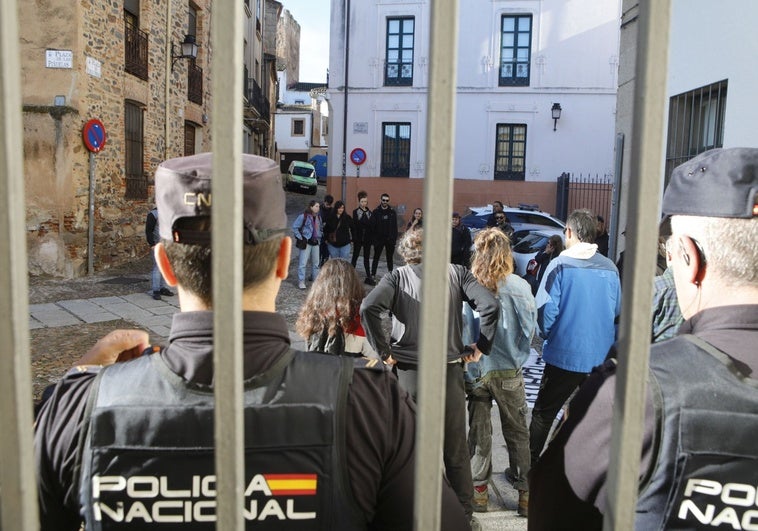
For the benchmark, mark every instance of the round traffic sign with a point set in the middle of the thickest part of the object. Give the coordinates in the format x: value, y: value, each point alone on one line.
x: 358, y: 156
x: 93, y: 135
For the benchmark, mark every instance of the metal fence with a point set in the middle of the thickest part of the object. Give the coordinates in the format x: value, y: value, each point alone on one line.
x: 593, y: 192
x: 18, y: 501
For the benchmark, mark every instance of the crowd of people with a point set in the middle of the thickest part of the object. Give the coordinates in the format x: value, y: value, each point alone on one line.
x: 336, y: 425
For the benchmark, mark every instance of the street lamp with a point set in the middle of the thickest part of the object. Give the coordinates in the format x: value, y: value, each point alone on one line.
x: 188, y: 50
x: 556, y: 110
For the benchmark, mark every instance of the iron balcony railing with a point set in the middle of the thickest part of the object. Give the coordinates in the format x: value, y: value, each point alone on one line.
x: 135, y: 51
x: 258, y: 101
x: 195, y: 83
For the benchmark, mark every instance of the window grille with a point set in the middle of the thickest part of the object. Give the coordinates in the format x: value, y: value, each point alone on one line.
x: 399, y: 67
x: 396, y: 150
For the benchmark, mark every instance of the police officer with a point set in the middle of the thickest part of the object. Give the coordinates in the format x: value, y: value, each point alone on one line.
x: 329, y: 444
x: 699, y: 463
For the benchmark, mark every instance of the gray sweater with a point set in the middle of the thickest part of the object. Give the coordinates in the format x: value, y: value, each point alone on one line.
x: 400, y: 293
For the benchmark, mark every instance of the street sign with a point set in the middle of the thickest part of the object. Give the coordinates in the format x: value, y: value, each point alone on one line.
x: 358, y: 156
x: 93, y: 134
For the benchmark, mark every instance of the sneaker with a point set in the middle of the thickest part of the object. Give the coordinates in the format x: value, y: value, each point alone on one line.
x: 157, y: 295
x: 475, y: 525
x: 523, y: 503
x: 167, y: 292
x: 481, y: 499
x: 370, y: 281
x: 301, y: 285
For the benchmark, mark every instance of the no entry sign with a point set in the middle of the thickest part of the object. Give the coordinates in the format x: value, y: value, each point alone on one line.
x: 93, y: 134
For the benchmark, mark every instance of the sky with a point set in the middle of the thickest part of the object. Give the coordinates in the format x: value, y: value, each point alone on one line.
x: 313, y: 17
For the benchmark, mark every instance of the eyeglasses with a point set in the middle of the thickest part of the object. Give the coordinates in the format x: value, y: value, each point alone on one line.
x: 385, y: 200
x: 499, y: 218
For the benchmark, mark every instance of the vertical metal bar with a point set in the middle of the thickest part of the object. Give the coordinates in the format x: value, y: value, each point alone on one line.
x: 438, y: 202
x: 91, y: 220
x: 639, y: 267
x: 227, y: 39
x: 18, y: 504
x: 616, y: 195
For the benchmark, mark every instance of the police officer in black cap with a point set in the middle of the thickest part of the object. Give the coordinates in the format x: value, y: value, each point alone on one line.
x: 329, y: 442
x: 699, y: 464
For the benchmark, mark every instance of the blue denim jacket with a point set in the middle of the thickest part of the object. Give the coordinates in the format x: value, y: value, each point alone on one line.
x: 515, y: 329
x: 307, y: 227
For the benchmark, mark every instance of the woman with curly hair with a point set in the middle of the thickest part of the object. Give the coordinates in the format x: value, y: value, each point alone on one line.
x: 329, y: 319
x: 498, y: 376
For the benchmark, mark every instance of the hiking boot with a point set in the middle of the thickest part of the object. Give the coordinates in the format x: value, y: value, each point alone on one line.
x: 167, y: 292
x: 157, y: 295
x: 523, y: 503
x: 481, y: 499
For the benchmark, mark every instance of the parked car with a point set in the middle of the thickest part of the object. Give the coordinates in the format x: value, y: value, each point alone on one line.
x: 523, y: 219
x: 319, y: 162
x: 301, y: 176
x: 529, y: 245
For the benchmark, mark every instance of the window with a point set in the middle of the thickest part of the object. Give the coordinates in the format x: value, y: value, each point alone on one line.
x: 192, y: 20
x: 136, y: 180
x: 695, y: 124
x: 298, y: 127
x: 396, y: 150
x: 399, y: 69
x: 510, y: 152
x: 515, y: 50
x: 325, y: 125
x: 189, y: 138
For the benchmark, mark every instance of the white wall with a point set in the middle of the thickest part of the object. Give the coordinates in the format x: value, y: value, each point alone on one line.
x: 574, y: 61
x: 284, y: 139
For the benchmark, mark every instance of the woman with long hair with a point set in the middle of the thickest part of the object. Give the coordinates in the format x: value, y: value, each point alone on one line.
x: 498, y: 376
x: 338, y: 229
x: 307, y: 231
x: 417, y: 221
x: 535, y: 271
x: 329, y: 319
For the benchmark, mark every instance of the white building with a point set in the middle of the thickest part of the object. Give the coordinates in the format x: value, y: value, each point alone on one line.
x: 301, y: 121
x: 711, y: 87
x: 516, y: 61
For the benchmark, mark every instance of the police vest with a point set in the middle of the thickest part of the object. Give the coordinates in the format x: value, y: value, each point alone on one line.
x: 705, y: 473
x: 147, y: 459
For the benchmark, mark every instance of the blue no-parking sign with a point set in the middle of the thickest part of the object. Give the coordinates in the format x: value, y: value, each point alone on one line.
x: 93, y: 134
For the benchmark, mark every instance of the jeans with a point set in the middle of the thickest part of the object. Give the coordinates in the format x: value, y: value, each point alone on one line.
x: 311, y: 251
x: 366, y: 247
x: 339, y: 252
x: 556, y: 387
x: 508, y: 393
x: 455, y: 449
x: 156, y: 279
x: 389, y: 248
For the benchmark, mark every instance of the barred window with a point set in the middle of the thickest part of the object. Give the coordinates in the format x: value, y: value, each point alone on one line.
x: 510, y: 152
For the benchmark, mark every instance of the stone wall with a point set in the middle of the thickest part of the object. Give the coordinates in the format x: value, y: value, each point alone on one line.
x: 56, y: 163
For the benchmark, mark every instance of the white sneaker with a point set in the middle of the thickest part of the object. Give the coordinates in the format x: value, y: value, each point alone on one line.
x: 301, y: 285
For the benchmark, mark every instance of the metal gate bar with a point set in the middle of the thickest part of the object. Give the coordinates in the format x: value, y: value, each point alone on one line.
x: 438, y: 203
x: 18, y: 505
x: 639, y: 262
x: 226, y: 241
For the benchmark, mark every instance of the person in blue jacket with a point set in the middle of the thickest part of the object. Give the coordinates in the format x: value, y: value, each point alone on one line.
x: 307, y: 230
x: 578, y: 304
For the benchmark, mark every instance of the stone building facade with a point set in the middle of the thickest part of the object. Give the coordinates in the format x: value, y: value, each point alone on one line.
x: 110, y: 61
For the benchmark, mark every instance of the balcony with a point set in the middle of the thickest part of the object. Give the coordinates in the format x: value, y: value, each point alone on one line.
x: 135, y: 51
x: 258, y: 101
x: 195, y: 83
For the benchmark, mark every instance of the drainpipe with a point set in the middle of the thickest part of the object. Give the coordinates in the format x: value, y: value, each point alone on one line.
x: 167, y: 96
x: 344, y: 109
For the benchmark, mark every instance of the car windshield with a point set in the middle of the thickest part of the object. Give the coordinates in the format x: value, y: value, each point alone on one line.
x: 302, y: 172
x: 531, y: 244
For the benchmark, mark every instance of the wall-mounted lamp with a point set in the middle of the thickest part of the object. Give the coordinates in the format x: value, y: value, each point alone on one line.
x: 556, y: 110
x: 188, y: 50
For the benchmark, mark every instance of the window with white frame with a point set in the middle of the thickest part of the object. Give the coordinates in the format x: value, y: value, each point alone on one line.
x: 510, y: 152
x: 399, y: 62
x: 515, y: 50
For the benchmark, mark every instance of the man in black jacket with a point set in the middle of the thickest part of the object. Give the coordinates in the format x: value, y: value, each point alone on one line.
x: 460, y: 247
x: 329, y: 440
x: 153, y: 237
x: 384, y: 232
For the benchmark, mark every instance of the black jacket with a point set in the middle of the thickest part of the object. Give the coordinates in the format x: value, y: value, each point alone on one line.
x: 361, y: 225
x: 341, y: 228
x: 384, y: 225
x: 460, y: 248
